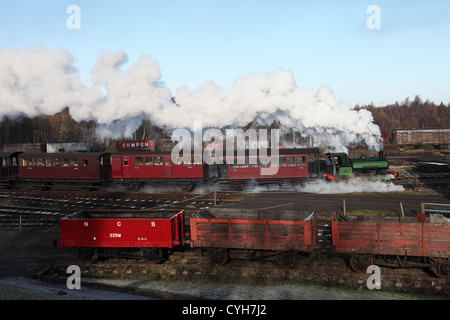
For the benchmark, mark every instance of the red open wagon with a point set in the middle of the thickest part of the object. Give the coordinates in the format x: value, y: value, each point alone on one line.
x: 123, y: 233
x: 258, y: 235
x: 404, y: 243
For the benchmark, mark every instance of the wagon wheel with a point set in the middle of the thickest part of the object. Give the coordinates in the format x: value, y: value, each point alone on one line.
x: 88, y: 254
x: 439, y: 269
x: 218, y: 256
x: 133, y: 186
x: 154, y: 255
x: 186, y: 187
x: 287, y: 259
x: 360, y: 264
x: 237, y: 186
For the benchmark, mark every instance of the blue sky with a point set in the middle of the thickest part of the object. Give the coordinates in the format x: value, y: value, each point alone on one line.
x: 321, y: 42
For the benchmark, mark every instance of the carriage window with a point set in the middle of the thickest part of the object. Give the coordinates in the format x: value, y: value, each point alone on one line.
x: 139, y: 161
x: 233, y: 163
x: 253, y: 162
x: 187, y: 160
x: 197, y: 160
x: 48, y: 162
x: 24, y: 162
x: 4, y: 162
x: 56, y: 162
x: 32, y: 162
x: 40, y: 162
x: 65, y: 162
x: 301, y: 161
x: 167, y: 161
x: 148, y: 161
x: 290, y: 161
x: 14, y: 162
x: 74, y: 162
x: 176, y: 160
x: 243, y: 162
x: 263, y: 161
x: 158, y: 161
x: 125, y: 162
x: 282, y: 161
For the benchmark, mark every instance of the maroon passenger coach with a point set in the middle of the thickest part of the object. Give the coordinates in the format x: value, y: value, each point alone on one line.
x: 76, y: 169
x: 294, y: 165
x: 137, y: 167
x: 9, y: 169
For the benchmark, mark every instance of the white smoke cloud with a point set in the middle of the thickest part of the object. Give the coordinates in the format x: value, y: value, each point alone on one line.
x: 40, y: 81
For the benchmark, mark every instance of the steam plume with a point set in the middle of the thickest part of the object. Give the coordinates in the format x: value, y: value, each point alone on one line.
x: 39, y: 81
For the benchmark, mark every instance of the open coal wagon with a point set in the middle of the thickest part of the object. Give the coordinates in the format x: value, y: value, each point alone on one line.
x: 256, y: 235
x: 401, y: 243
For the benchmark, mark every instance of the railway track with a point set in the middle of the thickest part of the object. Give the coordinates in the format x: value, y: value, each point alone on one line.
x: 25, y: 208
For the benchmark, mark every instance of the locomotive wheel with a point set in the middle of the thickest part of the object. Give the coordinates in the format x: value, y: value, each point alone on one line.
x: 154, y: 255
x: 360, y: 264
x: 218, y: 256
x: 286, y: 259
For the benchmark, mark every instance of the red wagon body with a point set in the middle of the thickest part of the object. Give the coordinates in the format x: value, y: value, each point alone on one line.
x: 397, y: 244
x: 384, y: 238
x: 121, y: 229
x: 274, y: 235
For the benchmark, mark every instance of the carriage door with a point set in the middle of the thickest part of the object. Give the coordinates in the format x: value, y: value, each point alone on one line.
x: 125, y: 167
x: 167, y: 167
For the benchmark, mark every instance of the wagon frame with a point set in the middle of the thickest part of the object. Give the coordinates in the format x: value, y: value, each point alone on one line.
x: 253, y: 238
x: 405, y: 243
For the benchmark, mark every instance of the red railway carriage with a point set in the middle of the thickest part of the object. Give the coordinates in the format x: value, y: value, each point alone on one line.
x: 123, y: 233
x: 134, y: 168
x: 278, y: 235
x: 79, y: 169
x: 9, y: 168
x: 398, y: 244
x: 294, y: 165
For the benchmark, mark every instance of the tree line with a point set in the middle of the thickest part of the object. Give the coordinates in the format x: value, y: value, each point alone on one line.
x: 409, y: 114
x: 61, y: 128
